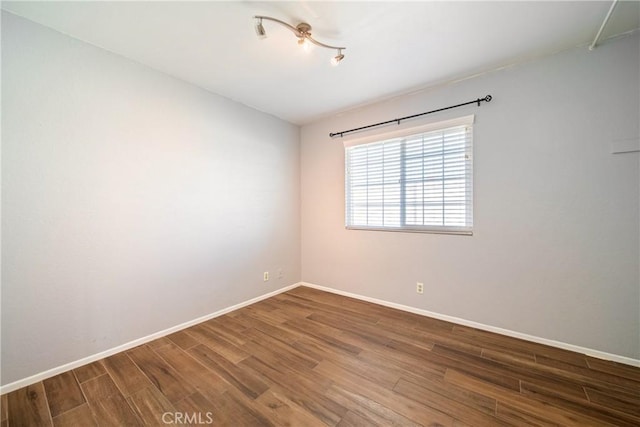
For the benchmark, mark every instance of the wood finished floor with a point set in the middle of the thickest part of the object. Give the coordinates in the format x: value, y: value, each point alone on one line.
x: 307, y: 358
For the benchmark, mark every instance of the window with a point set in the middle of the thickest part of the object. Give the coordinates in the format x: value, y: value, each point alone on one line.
x: 419, y: 179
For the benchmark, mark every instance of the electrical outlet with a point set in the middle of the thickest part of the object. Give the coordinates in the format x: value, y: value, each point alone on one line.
x: 420, y: 288
x: 265, y: 276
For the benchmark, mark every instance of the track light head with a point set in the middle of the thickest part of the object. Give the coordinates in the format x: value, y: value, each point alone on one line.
x: 336, y: 59
x: 305, y: 43
x: 262, y: 34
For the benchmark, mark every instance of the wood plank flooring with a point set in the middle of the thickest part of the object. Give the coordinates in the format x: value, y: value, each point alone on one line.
x: 310, y: 358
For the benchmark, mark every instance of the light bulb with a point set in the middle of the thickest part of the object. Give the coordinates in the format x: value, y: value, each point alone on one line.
x: 305, y: 43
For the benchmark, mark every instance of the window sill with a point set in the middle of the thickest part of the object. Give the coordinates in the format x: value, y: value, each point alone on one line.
x: 412, y: 230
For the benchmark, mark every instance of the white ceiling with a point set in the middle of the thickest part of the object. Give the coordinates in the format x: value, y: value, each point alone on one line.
x: 392, y: 47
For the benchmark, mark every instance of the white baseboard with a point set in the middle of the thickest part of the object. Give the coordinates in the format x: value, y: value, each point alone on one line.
x: 81, y: 362
x: 588, y: 351
x: 76, y: 364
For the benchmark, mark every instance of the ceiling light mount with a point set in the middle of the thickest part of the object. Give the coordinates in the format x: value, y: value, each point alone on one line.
x: 302, y: 31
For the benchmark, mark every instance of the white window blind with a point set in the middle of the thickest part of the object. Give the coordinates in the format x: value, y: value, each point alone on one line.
x: 419, y: 182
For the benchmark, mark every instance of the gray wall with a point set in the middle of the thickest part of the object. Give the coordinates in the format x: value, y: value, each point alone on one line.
x: 555, y: 250
x: 131, y: 201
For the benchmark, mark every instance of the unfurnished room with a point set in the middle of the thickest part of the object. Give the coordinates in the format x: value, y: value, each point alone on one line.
x: 320, y: 213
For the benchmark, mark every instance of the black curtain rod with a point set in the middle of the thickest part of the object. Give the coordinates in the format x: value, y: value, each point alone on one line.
x: 344, y: 132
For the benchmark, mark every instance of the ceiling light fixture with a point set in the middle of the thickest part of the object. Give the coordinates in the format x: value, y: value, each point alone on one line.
x: 303, y: 32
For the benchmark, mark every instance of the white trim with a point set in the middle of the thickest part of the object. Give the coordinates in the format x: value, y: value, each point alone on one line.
x: 409, y: 130
x: 558, y: 344
x: 98, y: 356
x: 461, y: 231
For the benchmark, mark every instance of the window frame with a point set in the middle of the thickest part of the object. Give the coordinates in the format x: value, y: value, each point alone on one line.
x: 406, y: 133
